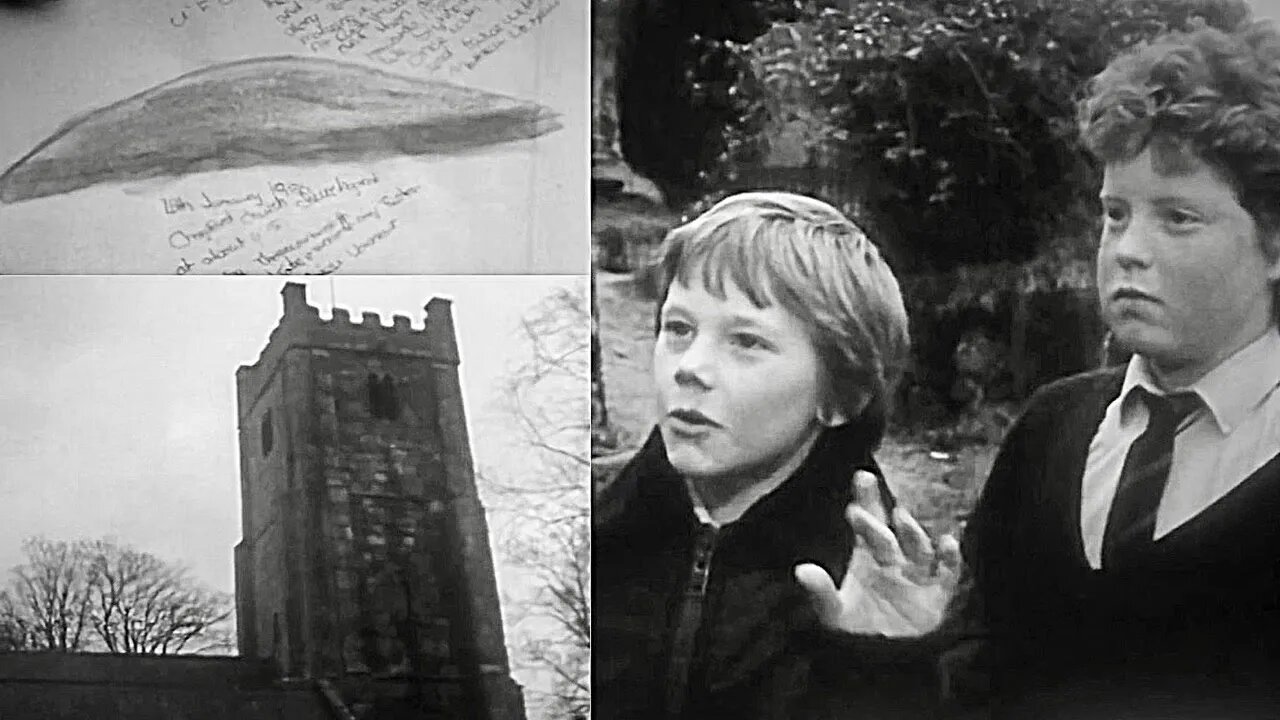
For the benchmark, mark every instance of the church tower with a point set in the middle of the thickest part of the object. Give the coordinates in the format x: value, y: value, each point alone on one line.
x: 364, y: 559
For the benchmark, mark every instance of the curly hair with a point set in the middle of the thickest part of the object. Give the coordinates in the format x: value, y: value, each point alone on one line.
x: 804, y: 255
x: 1206, y: 94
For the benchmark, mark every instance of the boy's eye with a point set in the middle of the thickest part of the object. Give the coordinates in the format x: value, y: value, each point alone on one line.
x: 748, y: 341
x: 1181, y: 217
x: 1115, y: 213
x: 676, y: 328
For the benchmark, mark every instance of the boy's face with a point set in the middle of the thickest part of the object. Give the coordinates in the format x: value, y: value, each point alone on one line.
x: 1182, y: 276
x: 738, y: 386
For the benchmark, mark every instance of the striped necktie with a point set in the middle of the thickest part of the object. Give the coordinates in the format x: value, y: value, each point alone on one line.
x: 1131, y: 522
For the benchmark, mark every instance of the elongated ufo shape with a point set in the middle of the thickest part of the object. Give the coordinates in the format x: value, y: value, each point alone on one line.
x: 275, y: 110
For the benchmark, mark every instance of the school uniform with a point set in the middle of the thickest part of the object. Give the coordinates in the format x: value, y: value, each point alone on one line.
x: 1185, y: 623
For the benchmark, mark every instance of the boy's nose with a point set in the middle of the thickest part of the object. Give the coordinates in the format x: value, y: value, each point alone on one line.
x: 696, y: 365
x: 1131, y: 248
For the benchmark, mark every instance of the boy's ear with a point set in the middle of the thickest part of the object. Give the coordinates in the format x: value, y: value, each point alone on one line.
x: 1273, y: 262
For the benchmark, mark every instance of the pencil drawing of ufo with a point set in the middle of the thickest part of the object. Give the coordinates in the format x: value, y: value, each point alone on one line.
x: 274, y: 110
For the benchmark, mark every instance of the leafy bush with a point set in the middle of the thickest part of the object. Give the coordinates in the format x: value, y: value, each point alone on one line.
x: 963, y: 112
x: 945, y: 128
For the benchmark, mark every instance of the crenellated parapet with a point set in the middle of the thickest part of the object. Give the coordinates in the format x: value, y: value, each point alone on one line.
x: 301, y: 326
x: 364, y: 558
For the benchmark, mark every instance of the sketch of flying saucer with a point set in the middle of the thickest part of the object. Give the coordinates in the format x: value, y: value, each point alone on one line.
x: 274, y: 110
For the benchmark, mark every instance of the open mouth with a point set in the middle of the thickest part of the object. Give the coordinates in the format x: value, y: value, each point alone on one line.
x: 692, y: 417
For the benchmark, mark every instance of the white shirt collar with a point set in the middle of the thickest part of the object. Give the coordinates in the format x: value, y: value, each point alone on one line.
x: 1231, y: 390
x: 700, y: 510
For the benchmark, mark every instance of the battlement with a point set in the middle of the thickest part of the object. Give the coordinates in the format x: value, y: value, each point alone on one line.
x: 371, y: 320
x: 299, y: 313
x: 364, y: 557
x: 301, y: 326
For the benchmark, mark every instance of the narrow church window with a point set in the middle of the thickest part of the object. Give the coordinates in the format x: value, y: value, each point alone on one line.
x: 393, y: 401
x: 275, y: 636
x: 383, y: 402
x: 268, y: 433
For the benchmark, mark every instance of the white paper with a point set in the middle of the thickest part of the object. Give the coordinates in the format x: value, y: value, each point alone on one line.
x: 509, y: 206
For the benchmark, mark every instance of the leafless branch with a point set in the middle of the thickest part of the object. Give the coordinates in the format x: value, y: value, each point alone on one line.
x: 548, y: 506
x: 101, y: 595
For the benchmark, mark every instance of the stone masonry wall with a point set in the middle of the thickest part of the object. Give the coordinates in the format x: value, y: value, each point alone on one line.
x: 263, y: 496
x: 363, y: 531
x: 385, y: 517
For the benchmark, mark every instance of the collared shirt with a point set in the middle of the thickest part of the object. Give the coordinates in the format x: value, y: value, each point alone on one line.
x: 1236, y: 432
x: 700, y: 510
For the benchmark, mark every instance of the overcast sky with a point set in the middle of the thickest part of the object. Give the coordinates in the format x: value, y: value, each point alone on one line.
x: 117, y: 397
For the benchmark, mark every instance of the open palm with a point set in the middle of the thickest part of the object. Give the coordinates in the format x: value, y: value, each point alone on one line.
x: 897, y: 584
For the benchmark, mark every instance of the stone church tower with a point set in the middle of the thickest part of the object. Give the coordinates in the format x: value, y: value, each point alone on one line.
x: 364, y: 562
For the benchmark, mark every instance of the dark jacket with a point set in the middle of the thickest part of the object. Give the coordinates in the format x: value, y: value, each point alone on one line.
x: 691, y: 622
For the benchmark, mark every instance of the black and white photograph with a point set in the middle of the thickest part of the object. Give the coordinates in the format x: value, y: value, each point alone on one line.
x: 640, y: 360
x: 937, y: 359
x: 268, y: 137
x: 356, y: 497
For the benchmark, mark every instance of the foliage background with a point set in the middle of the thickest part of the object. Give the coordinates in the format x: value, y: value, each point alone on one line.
x: 945, y: 129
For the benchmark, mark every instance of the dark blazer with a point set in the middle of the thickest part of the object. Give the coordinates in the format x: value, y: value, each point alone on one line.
x: 689, y: 622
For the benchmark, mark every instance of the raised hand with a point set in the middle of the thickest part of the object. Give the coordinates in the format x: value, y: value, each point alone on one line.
x: 897, y: 584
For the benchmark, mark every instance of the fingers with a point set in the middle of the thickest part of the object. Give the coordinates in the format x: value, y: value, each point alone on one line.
x: 866, y: 488
x: 949, y: 553
x: 914, y: 541
x: 875, y: 536
x: 896, y: 538
x: 822, y: 592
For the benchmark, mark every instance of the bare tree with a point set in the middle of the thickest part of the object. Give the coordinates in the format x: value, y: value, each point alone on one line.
x: 52, y: 592
x: 103, y: 596
x: 15, y: 630
x: 142, y: 604
x: 557, y: 637
x: 547, y: 504
x: 547, y: 390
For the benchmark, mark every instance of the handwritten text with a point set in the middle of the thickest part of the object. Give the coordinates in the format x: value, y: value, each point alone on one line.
x: 285, y: 226
x: 433, y: 36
